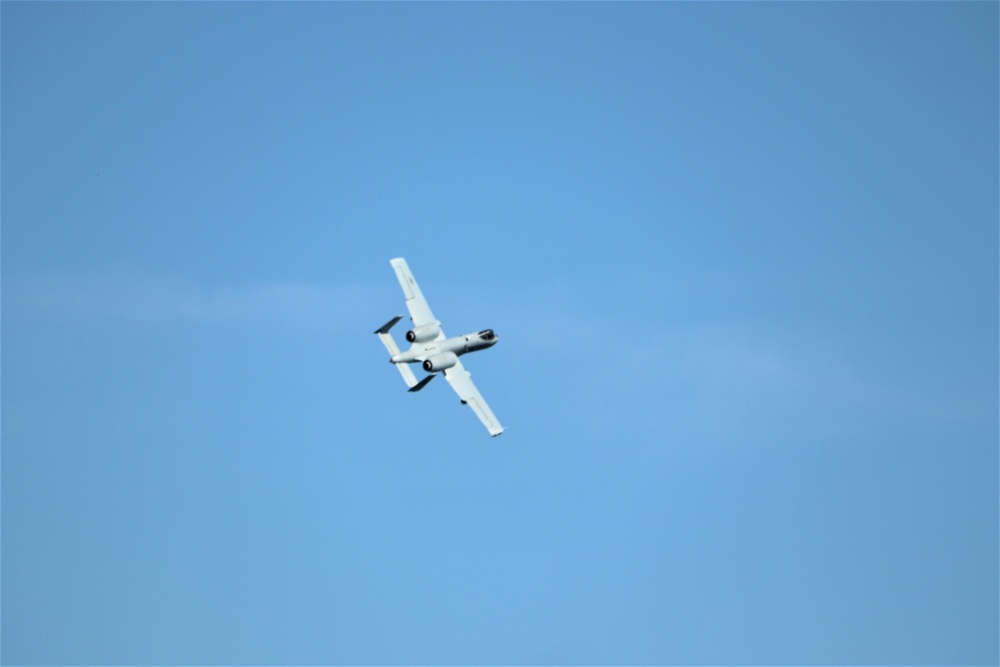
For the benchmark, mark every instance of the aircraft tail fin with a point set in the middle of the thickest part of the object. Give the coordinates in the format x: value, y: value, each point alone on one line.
x: 423, y: 383
x: 384, y: 329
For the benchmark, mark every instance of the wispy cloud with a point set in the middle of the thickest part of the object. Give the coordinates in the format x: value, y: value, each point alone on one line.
x: 120, y: 297
x: 725, y: 378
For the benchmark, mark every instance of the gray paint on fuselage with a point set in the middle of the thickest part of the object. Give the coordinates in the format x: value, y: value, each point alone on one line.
x: 460, y: 345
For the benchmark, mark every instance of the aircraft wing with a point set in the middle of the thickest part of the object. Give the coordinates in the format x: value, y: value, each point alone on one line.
x: 461, y: 381
x: 420, y: 312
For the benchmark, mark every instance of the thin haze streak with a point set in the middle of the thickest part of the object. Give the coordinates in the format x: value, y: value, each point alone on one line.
x: 119, y: 298
x: 733, y: 374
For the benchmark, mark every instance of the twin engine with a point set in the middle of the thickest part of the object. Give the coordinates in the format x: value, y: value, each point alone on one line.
x: 423, y: 334
x: 440, y: 362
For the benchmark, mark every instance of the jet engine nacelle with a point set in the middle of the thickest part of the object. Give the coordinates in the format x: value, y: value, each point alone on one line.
x: 440, y: 362
x: 423, y: 334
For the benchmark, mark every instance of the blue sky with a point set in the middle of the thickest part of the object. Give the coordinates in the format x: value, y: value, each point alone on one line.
x: 742, y: 258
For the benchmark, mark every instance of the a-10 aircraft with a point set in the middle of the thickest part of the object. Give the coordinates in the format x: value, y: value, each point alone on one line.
x: 435, y: 351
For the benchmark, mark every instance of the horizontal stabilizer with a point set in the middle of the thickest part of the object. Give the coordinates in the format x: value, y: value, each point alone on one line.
x: 393, y: 350
x: 423, y: 383
x: 388, y: 325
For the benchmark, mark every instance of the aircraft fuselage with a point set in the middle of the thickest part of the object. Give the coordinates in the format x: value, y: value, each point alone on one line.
x: 457, y: 345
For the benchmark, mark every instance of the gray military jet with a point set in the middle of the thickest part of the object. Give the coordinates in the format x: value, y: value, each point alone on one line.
x: 434, y: 351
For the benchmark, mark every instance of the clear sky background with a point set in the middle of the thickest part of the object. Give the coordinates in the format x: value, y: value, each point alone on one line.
x: 742, y: 258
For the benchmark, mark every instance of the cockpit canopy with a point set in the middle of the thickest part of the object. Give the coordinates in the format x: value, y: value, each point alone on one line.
x: 487, y: 334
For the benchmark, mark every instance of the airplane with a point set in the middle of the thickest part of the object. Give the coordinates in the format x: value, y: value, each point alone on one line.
x: 434, y: 351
